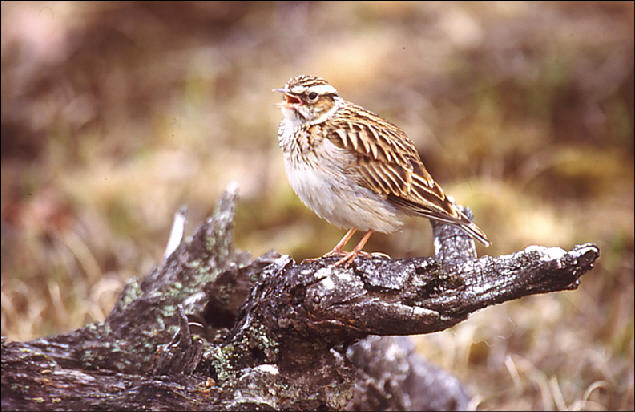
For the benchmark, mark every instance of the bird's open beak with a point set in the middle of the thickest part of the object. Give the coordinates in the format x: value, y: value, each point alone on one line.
x: 291, y: 99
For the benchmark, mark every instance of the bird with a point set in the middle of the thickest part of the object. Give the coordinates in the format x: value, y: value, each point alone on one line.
x: 354, y: 169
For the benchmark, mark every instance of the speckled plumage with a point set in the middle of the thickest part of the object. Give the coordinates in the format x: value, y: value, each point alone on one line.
x: 353, y: 168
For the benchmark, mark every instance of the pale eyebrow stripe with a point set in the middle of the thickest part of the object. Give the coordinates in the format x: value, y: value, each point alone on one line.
x: 323, y: 89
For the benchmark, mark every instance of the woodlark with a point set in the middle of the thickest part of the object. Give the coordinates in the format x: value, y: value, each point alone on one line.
x: 355, y: 169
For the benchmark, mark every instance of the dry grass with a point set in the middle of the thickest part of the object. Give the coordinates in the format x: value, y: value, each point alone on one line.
x: 114, y: 114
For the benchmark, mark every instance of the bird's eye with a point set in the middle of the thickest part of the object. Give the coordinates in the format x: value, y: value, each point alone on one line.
x: 313, y: 96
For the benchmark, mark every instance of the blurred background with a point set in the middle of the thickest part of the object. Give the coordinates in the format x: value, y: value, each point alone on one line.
x: 115, y: 114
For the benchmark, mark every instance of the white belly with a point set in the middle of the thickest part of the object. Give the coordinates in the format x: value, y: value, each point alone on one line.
x: 329, y: 193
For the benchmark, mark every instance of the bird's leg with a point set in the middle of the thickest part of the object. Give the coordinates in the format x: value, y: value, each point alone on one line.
x: 357, y: 250
x: 337, y: 250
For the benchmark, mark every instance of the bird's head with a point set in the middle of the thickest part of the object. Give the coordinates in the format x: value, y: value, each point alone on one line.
x: 308, y: 98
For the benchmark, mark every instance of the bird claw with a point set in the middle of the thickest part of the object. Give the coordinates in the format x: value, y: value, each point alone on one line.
x: 347, y: 257
x: 380, y: 255
x: 334, y: 252
x: 350, y: 257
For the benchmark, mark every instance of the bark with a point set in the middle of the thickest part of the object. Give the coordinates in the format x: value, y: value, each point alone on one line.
x: 214, y: 328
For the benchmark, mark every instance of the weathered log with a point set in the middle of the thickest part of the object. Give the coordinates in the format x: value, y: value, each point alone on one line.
x: 213, y: 328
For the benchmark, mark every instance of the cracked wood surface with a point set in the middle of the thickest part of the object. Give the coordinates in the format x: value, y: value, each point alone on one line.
x: 213, y: 328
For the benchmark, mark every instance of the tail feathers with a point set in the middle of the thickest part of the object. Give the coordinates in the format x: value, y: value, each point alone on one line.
x: 475, y: 232
x: 464, y: 223
x: 453, y: 216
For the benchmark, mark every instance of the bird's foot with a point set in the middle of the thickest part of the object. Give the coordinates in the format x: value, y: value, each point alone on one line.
x: 335, y: 252
x: 380, y: 255
x: 349, y: 257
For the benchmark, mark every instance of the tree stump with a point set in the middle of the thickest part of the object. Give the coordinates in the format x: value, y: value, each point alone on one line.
x: 214, y: 328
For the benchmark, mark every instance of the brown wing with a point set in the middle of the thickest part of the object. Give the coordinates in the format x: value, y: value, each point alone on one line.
x: 387, y: 163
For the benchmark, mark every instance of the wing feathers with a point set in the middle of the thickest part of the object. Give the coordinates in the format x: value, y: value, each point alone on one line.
x: 387, y: 163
